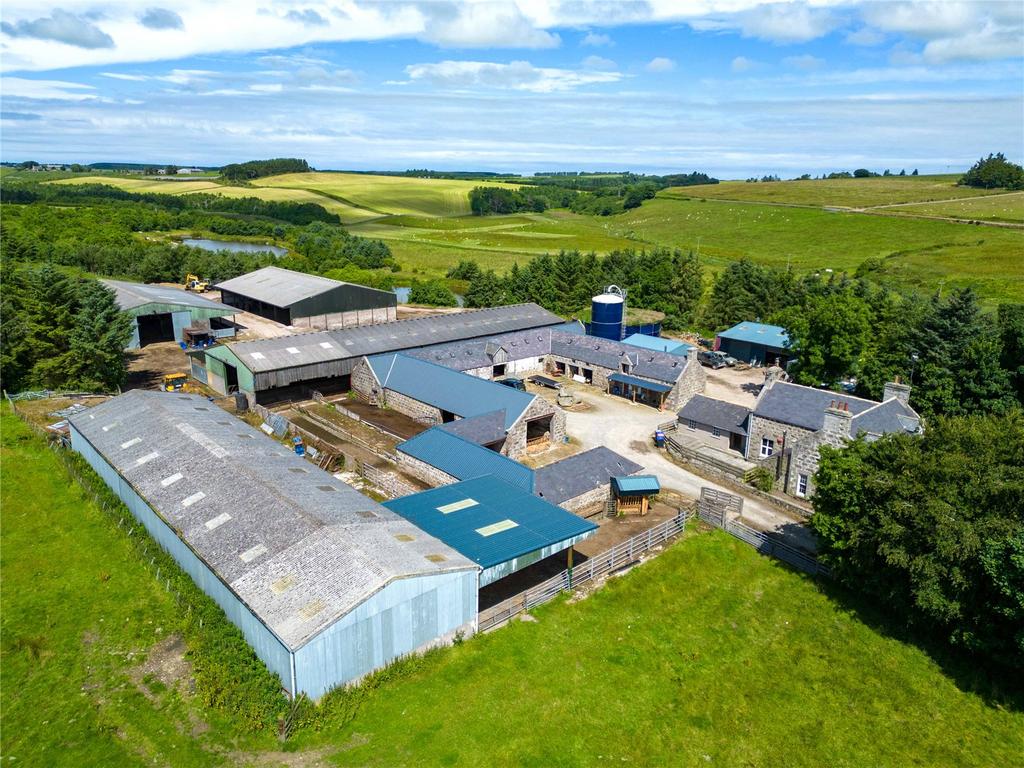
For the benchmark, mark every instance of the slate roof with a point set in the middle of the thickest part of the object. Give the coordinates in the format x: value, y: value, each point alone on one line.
x: 448, y: 390
x: 324, y: 346
x: 715, y: 413
x: 522, y: 523
x: 573, y: 476
x: 669, y: 346
x: 478, y: 353
x: 463, y: 459
x: 484, y: 429
x: 802, y: 406
x: 647, y: 364
x: 130, y: 296
x: 283, y: 287
x: 758, y: 333
x: 297, y: 546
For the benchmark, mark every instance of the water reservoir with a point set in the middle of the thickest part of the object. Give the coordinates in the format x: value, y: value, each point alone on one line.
x: 606, y: 314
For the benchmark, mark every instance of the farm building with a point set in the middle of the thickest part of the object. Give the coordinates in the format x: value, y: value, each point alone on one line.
x: 658, y: 344
x: 435, y: 394
x: 659, y: 379
x: 790, y: 422
x: 498, y: 526
x: 275, y: 369
x: 634, y: 493
x: 755, y: 343
x: 299, y: 299
x: 716, y: 422
x: 162, y: 313
x: 582, y: 481
x: 325, y: 584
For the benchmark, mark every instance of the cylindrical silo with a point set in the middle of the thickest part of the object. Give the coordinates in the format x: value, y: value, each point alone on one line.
x: 606, y: 314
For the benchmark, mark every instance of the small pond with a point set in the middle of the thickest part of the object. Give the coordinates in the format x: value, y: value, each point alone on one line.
x: 230, y: 245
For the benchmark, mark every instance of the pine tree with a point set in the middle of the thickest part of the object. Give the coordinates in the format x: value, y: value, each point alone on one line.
x: 101, y: 332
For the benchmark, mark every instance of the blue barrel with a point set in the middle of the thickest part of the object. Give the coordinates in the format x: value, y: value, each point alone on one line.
x: 659, y: 438
x: 606, y: 313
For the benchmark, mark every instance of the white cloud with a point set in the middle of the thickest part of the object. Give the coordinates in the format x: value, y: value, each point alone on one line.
x: 124, y: 76
x: 267, y: 87
x: 483, y: 25
x: 805, y: 62
x: 161, y: 18
x: 660, y: 64
x: 62, y: 27
x: 787, y: 23
x: 516, y: 75
x: 599, y: 62
x: 596, y: 39
x: 865, y: 36
x: 24, y: 88
x: 742, y: 64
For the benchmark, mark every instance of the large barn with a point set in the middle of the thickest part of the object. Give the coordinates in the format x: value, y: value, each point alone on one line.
x: 325, y: 584
x: 300, y: 299
x: 270, y: 370
x: 162, y: 313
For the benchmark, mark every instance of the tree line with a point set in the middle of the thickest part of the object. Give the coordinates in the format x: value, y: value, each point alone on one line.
x: 255, y: 169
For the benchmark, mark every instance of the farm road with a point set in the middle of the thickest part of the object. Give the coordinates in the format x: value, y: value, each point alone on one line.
x: 627, y: 428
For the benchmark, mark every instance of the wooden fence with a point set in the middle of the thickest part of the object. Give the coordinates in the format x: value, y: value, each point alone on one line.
x: 618, y: 557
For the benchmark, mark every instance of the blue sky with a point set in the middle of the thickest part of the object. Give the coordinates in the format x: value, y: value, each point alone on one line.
x: 731, y: 87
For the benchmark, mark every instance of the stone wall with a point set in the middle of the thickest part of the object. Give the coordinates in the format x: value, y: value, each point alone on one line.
x: 690, y: 383
x: 365, y: 383
x: 805, y: 454
x: 428, y: 414
x: 515, y: 441
x: 430, y: 475
x: 701, y: 434
x: 760, y: 427
x: 599, y: 495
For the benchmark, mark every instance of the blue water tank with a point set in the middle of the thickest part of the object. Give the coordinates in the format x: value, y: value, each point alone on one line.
x: 606, y: 314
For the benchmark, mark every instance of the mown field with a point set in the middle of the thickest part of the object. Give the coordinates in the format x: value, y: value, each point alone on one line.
x: 847, y: 193
x: 709, y: 654
x: 1007, y: 207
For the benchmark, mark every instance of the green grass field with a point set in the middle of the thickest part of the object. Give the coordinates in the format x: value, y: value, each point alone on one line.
x: 1008, y: 207
x: 709, y: 654
x: 847, y: 193
x: 385, y: 195
x: 145, y: 185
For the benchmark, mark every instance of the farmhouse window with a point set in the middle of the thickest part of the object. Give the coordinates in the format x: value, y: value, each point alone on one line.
x: 767, y: 447
x: 691, y: 424
x: 801, y: 485
x: 716, y: 432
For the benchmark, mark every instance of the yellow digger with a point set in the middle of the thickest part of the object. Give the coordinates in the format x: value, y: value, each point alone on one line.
x: 194, y: 284
x: 174, y: 382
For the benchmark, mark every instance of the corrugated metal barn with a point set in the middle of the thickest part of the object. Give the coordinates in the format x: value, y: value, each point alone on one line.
x: 162, y: 313
x: 499, y: 526
x: 325, y: 584
x: 297, y: 298
x: 268, y: 368
x: 756, y: 343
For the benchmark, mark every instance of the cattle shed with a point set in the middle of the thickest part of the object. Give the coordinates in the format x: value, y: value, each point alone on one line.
x: 162, y: 313
x: 273, y: 369
x: 297, y: 298
x: 755, y: 343
x: 325, y: 584
x: 438, y: 457
x: 499, y: 526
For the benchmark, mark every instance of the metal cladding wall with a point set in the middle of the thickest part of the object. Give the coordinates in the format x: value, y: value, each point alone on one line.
x: 265, y: 643
x: 501, y: 570
x: 407, y: 616
x: 606, y: 313
x: 344, y: 298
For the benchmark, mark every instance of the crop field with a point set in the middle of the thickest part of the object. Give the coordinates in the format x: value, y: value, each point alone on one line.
x: 144, y: 185
x: 846, y: 193
x: 708, y: 654
x: 385, y: 195
x: 1008, y: 207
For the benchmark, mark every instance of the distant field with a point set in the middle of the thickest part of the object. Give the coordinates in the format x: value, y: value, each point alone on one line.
x: 383, y: 195
x: 847, y: 193
x: 1001, y: 207
x: 707, y: 655
x: 142, y: 185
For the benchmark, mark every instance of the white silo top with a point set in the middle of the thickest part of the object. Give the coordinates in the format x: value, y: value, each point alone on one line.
x: 608, y: 298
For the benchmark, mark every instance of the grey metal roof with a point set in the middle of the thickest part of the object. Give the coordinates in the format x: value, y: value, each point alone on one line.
x: 479, y: 353
x: 463, y: 459
x: 575, y: 475
x: 448, y: 390
x: 805, y: 407
x: 282, y: 287
x: 311, y: 348
x: 716, y: 413
x: 645, y: 363
x: 132, y: 295
x: 299, y: 547
x: 484, y: 429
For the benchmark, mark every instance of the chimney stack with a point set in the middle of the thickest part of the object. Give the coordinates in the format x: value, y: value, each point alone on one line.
x: 895, y: 389
x: 836, y: 426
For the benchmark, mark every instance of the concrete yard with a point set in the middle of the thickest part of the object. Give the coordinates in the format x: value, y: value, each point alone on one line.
x: 734, y: 385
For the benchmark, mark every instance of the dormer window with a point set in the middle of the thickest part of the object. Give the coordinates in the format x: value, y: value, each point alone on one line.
x: 625, y: 366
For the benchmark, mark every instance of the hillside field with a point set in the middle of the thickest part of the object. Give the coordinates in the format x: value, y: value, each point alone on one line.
x: 1006, y: 206
x: 708, y: 654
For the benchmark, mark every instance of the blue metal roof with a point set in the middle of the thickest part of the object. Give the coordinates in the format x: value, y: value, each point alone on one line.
x: 758, y: 333
x: 622, y: 378
x: 448, y: 389
x: 463, y: 459
x: 488, y: 520
x: 635, y: 484
x: 671, y: 346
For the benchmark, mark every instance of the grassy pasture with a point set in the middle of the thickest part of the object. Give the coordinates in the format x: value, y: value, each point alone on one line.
x: 847, y: 193
x: 144, y: 185
x: 1002, y: 207
x: 383, y: 195
x: 708, y: 653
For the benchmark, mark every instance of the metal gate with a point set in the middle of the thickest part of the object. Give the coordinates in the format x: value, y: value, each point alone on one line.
x: 716, y: 507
